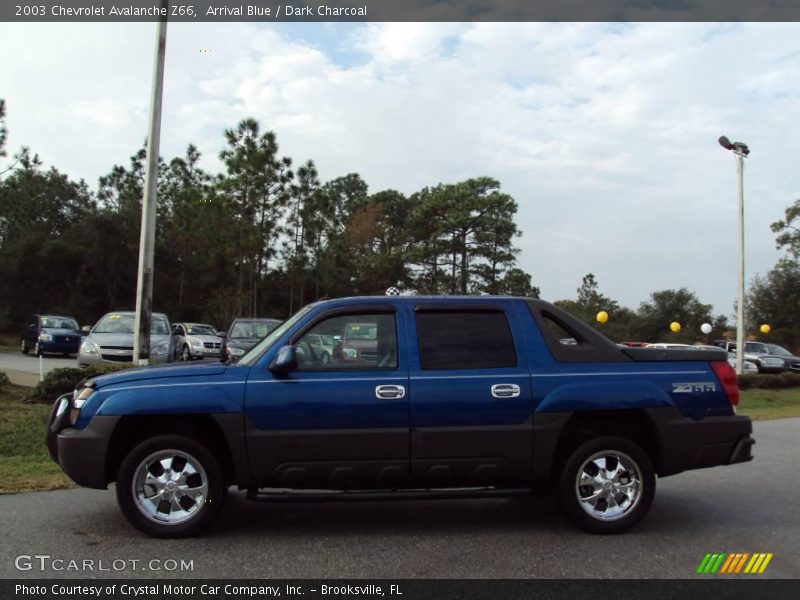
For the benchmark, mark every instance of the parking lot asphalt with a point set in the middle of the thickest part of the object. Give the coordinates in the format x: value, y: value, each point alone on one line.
x: 23, y: 369
x: 749, y: 507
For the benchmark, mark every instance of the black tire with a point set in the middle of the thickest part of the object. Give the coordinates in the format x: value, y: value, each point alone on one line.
x: 186, y: 354
x: 23, y: 346
x: 37, y: 351
x: 158, y: 525
x: 620, y: 512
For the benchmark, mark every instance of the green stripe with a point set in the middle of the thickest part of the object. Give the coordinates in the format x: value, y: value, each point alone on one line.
x: 710, y: 564
x: 703, y: 564
x: 719, y: 562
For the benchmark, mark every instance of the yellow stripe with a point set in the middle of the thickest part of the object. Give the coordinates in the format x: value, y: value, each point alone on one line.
x: 728, y: 562
x: 750, y: 563
x: 765, y: 563
x: 741, y: 562
x: 753, y: 560
x: 757, y: 564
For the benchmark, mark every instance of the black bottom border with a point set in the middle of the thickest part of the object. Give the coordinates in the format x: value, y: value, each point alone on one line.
x: 735, y: 588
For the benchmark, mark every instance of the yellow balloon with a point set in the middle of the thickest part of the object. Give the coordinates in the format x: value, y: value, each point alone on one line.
x: 602, y: 316
x: 765, y: 328
x: 675, y: 326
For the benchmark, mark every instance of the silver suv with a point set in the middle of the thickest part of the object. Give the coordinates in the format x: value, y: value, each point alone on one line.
x: 195, y: 341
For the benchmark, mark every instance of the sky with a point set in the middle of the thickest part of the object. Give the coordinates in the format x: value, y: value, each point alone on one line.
x: 605, y: 134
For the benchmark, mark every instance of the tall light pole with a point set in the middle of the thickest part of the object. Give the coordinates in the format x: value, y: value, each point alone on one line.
x: 740, y: 150
x: 144, y: 281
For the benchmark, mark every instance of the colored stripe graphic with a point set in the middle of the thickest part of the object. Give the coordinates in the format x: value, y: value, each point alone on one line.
x: 741, y: 562
x: 719, y: 562
x: 765, y: 563
x: 727, y: 565
x: 752, y: 562
x: 703, y: 563
x: 733, y: 563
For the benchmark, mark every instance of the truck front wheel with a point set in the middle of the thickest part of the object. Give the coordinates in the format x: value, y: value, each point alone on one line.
x: 170, y: 486
x: 606, y: 485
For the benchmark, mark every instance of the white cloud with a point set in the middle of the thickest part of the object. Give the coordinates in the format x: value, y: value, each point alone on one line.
x: 605, y: 134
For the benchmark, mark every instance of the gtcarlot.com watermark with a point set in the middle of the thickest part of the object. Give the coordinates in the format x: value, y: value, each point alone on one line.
x: 46, y: 562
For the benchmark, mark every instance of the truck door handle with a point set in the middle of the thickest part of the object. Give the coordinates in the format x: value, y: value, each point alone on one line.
x: 390, y: 392
x: 505, y: 390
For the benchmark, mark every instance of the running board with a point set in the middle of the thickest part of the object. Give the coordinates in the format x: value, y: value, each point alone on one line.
x: 282, y: 495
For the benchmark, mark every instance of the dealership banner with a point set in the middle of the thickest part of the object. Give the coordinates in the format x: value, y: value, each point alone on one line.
x: 399, y: 589
x: 398, y: 10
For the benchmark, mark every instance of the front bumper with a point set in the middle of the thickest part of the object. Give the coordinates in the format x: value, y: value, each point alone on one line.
x: 698, y: 444
x: 81, y: 453
x: 60, y: 347
x: 198, y: 352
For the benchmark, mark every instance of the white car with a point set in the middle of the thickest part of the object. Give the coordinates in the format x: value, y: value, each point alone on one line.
x: 195, y: 341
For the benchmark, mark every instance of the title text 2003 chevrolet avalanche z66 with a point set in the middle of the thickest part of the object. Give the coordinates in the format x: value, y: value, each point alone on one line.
x: 457, y: 396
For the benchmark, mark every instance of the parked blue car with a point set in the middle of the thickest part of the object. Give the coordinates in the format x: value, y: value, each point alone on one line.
x: 430, y: 396
x: 51, y: 334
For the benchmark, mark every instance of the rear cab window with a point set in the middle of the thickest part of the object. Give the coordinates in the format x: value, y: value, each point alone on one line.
x: 464, y: 339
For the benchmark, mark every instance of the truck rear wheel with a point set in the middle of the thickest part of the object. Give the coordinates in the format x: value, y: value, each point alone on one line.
x: 170, y: 486
x: 606, y: 485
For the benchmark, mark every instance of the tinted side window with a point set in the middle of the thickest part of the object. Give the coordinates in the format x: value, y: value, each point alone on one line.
x: 465, y: 340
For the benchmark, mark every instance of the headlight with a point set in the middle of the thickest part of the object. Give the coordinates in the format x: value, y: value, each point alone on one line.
x: 162, y: 348
x: 195, y: 342
x: 235, y: 351
x: 45, y: 337
x: 88, y: 347
x: 79, y: 398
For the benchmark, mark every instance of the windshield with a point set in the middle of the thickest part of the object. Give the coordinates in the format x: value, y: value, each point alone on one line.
x: 361, y: 331
x: 252, y: 329
x: 59, y: 322
x: 123, y: 323
x: 252, y: 355
x: 756, y: 347
x: 780, y: 350
x: 200, y: 329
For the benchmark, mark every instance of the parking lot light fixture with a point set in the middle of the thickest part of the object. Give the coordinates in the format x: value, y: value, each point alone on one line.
x: 740, y: 151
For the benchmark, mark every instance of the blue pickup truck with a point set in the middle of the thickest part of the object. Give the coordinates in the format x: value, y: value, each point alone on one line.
x: 419, y: 397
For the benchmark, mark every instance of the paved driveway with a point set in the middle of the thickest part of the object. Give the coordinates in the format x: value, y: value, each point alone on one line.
x: 23, y: 369
x: 743, y: 508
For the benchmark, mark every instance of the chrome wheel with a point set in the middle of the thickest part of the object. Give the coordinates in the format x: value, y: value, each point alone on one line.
x: 170, y: 487
x: 608, y: 485
x: 36, y: 350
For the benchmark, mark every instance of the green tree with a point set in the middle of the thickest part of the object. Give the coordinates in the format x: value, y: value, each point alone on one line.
x: 775, y: 299
x: 376, y: 240
x: 464, y: 236
x: 666, y: 306
x: 788, y: 231
x: 516, y: 282
x: 300, y: 221
x: 256, y: 186
x: 37, y: 207
x: 3, y: 128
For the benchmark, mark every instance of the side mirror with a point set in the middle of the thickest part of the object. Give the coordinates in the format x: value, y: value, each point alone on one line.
x: 285, y: 360
x: 222, y: 334
x: 86, y: 329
